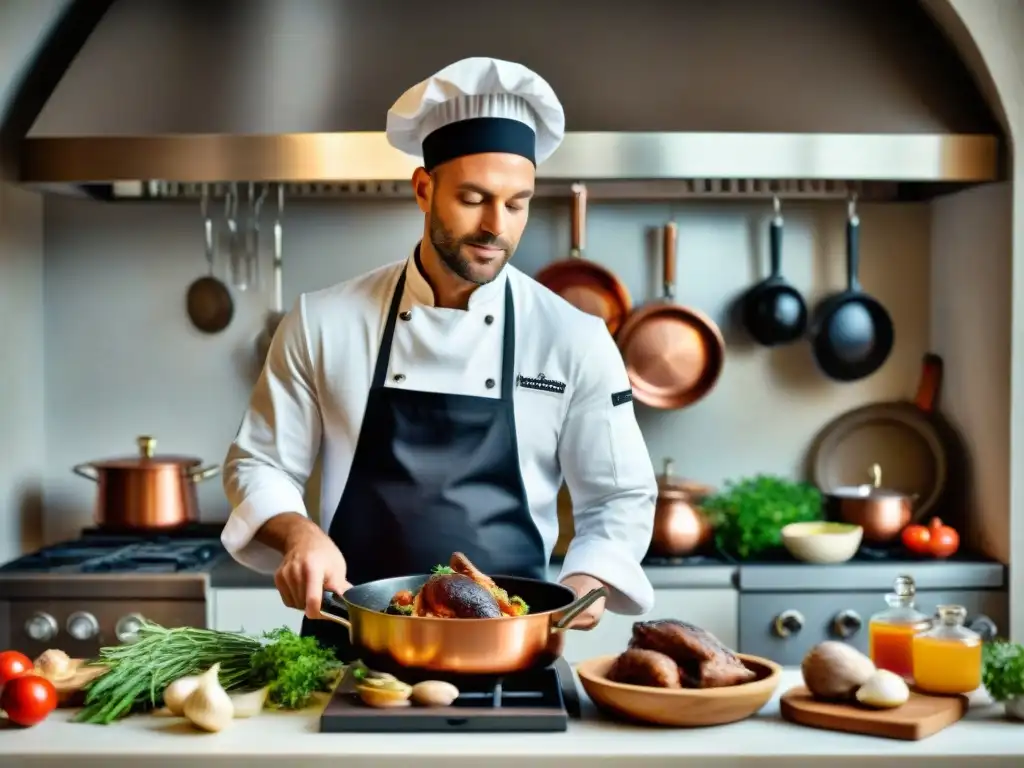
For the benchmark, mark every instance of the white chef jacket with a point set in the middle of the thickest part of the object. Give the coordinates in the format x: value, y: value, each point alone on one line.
x: 311, y: 397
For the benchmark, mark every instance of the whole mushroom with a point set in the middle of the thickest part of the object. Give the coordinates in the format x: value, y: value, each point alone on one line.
x: 833, y: 671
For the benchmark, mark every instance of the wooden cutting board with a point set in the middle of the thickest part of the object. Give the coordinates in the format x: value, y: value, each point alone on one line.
x: 920, y: 717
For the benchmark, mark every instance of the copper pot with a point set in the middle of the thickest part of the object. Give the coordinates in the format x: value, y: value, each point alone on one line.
x: 496, y: 646
x: 680, y: 527
x: 883, y: 513
x: 146, y: 491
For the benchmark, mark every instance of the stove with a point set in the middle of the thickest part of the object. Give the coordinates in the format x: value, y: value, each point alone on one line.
x: 537, y: 700
x: 93, y: 591
x: 787, y: 607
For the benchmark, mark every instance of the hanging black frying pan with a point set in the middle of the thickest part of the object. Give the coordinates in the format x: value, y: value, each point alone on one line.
x: 774, y: 312
x: 852, y: 334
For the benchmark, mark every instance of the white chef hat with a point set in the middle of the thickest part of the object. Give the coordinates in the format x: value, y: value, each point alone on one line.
x: 477, y: 105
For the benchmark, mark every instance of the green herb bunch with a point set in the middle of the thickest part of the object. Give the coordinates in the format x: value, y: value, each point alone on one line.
x: 748, y: 514
x: 1002, y: 670
x: 293, y: 667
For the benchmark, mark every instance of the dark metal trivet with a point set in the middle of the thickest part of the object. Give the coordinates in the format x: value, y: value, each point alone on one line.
x: 538, y: 700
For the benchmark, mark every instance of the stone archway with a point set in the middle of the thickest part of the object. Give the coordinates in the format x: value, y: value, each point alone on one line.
x: 987, y: 37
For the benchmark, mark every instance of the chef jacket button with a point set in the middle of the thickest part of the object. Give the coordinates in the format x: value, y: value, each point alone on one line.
x: 399, y: 377
x: 407, y: 315
x: 489, y: 319
x: 489, y: 383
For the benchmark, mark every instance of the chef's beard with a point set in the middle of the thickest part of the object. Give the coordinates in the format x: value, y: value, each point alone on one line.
x: 449, y: 248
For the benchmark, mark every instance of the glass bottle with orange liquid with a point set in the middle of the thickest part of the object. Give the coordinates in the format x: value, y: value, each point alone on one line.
x: 947, y: 657
x: 891, y: 632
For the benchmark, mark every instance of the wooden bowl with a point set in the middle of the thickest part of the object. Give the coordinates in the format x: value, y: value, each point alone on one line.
x: 679, y: 707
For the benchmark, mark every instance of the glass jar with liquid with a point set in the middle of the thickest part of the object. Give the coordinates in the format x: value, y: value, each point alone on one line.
x: 891, y: 632
x: 947, y: 657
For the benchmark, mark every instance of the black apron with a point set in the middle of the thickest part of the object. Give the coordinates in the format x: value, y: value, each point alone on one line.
x: 433, y: 474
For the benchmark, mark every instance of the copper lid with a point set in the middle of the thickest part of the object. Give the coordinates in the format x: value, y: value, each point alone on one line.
x: 146, y: 458
x: 872, y: 490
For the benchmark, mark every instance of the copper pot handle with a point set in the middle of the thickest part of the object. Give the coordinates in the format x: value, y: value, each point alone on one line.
x: 330, y: 599
x: 576, y: 607
x: 203, y: 473
x: 578, y: 229
x: 88, y: 471
x: 668, y: 260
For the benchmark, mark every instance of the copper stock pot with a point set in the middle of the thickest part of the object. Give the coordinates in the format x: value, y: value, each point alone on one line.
x: 146, y: 492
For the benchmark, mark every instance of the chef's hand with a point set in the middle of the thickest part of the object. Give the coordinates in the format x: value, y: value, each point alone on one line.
x: 582, y: 584
x: 311, y: 564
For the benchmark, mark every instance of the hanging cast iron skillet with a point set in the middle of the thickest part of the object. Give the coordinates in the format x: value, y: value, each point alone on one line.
x: 853, y: 333
x: 774, y: 312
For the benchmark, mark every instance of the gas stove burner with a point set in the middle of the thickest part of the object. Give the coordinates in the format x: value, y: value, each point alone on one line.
x: 537, y: 700
x: 116, y: 555
x: 152, y: 557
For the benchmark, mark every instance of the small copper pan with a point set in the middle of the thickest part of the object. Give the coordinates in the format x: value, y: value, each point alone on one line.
x: 585, y: 284
x: 674, y: 355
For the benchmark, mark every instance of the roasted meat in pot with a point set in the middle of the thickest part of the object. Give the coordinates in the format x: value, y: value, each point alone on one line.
x: 454, y: 596
x: 638, y: 666
x: 458, y: 590
x: 703, y: 660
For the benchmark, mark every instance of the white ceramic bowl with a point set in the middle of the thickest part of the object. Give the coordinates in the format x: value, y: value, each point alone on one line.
x: 822, y: 542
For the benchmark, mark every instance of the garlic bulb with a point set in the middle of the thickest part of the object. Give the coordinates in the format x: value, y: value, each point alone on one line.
x: 209, y: 707
x: 178, y: 692
x: 54, y: 663
x: 884, y: 690
x: 249, y: 703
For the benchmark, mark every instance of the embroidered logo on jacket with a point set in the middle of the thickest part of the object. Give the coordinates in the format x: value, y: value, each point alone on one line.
x: 619, y: 398
x: 541, y: 383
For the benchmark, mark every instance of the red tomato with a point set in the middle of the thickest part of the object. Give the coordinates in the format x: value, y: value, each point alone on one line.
x: 27, y: 700
x: 917, y: 538
x: 945, y: 541
x: 12, y: 665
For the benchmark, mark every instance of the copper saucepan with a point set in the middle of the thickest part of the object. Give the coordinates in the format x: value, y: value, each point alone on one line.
x: 680, y: 527
x: 674, y: 355
x: 882, y: 512
x: 585, y: 284
x: 146, y: 492
x: 458, y: 646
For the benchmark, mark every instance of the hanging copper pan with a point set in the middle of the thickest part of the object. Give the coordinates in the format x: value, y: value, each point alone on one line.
x: 674, y: 355
x: 584, y: 284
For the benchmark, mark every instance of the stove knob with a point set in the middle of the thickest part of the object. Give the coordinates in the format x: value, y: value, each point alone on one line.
x: 41, y: 627
x: 847, y: 624
x: 127, y: 628
x: 82, y: 626
x: 985, y: 627
x: 789, y: 623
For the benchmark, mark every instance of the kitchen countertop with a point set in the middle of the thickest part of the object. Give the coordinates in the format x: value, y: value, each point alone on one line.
x: 273, y: 739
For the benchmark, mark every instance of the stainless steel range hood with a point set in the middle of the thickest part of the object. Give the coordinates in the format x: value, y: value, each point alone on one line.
x: 297, y: 91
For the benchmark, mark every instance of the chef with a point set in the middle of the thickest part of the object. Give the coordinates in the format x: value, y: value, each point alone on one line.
x: 448, y: 394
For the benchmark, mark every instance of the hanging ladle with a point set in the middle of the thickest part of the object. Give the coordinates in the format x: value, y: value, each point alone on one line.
x: 208, y: 301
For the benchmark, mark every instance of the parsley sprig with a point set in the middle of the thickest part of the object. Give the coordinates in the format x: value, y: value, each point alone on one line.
x: 1002, y: 671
